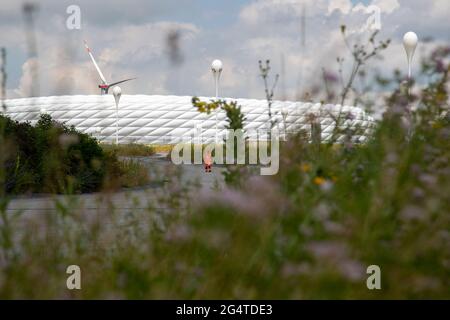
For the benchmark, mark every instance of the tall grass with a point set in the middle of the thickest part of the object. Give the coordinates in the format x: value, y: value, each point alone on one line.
x: 309, y: 232
x: 129, y: 150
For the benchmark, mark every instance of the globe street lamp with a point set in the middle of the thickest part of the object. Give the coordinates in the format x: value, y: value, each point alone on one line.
x: 410, y: 43
x: 117, y: 92
x: 216, y: 68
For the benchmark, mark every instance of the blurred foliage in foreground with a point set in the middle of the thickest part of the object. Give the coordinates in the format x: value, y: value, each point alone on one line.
x: 51, y: 157
x: 309, y: 232
x: 129, y: 150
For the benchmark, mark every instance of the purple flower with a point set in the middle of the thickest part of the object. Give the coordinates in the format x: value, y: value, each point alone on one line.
x: 412, y: 213
x: 329, y: 76
x: 179, y: 233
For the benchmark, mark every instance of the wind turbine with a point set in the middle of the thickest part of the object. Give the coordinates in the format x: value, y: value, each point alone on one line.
x: 104, y: 86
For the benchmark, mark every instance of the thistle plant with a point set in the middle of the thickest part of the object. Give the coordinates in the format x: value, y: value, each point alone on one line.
x: 361, y: 54
x: 264, y: 70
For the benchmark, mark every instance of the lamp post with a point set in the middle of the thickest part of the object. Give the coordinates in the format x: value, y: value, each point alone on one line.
x: 410, y: 43
x: 117, y: 92
x: 216, y: 68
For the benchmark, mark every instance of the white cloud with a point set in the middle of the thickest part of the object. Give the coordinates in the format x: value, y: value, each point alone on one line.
x: 387, y: 6
x: 131, y: 44
x: 342, y: 5
x: 264, y: 11
x: 128, y: 51
x: 27, y: 84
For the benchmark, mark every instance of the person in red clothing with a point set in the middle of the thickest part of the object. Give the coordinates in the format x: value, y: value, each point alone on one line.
x: 207, y: 161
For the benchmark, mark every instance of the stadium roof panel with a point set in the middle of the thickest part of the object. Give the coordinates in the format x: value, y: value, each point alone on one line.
x: 165, y: 119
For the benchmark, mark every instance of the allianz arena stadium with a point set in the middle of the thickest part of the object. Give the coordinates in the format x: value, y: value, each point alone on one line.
x: 156, y: 119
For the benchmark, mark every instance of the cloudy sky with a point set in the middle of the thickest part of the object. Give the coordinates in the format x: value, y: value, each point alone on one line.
x: 131, y: 39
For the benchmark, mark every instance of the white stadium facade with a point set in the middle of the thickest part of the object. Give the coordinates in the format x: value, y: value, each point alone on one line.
x: 157, y: 119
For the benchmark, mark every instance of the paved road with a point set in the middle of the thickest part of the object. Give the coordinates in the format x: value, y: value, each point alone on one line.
x: 162, y: 173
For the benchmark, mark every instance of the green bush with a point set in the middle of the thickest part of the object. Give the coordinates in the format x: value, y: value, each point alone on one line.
x: 130, y: 149
x: 234, y: 174
x: 51, y: 157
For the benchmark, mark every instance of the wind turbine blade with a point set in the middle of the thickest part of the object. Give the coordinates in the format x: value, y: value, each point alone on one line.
x: 102, y: 77
x: 112, y: 84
